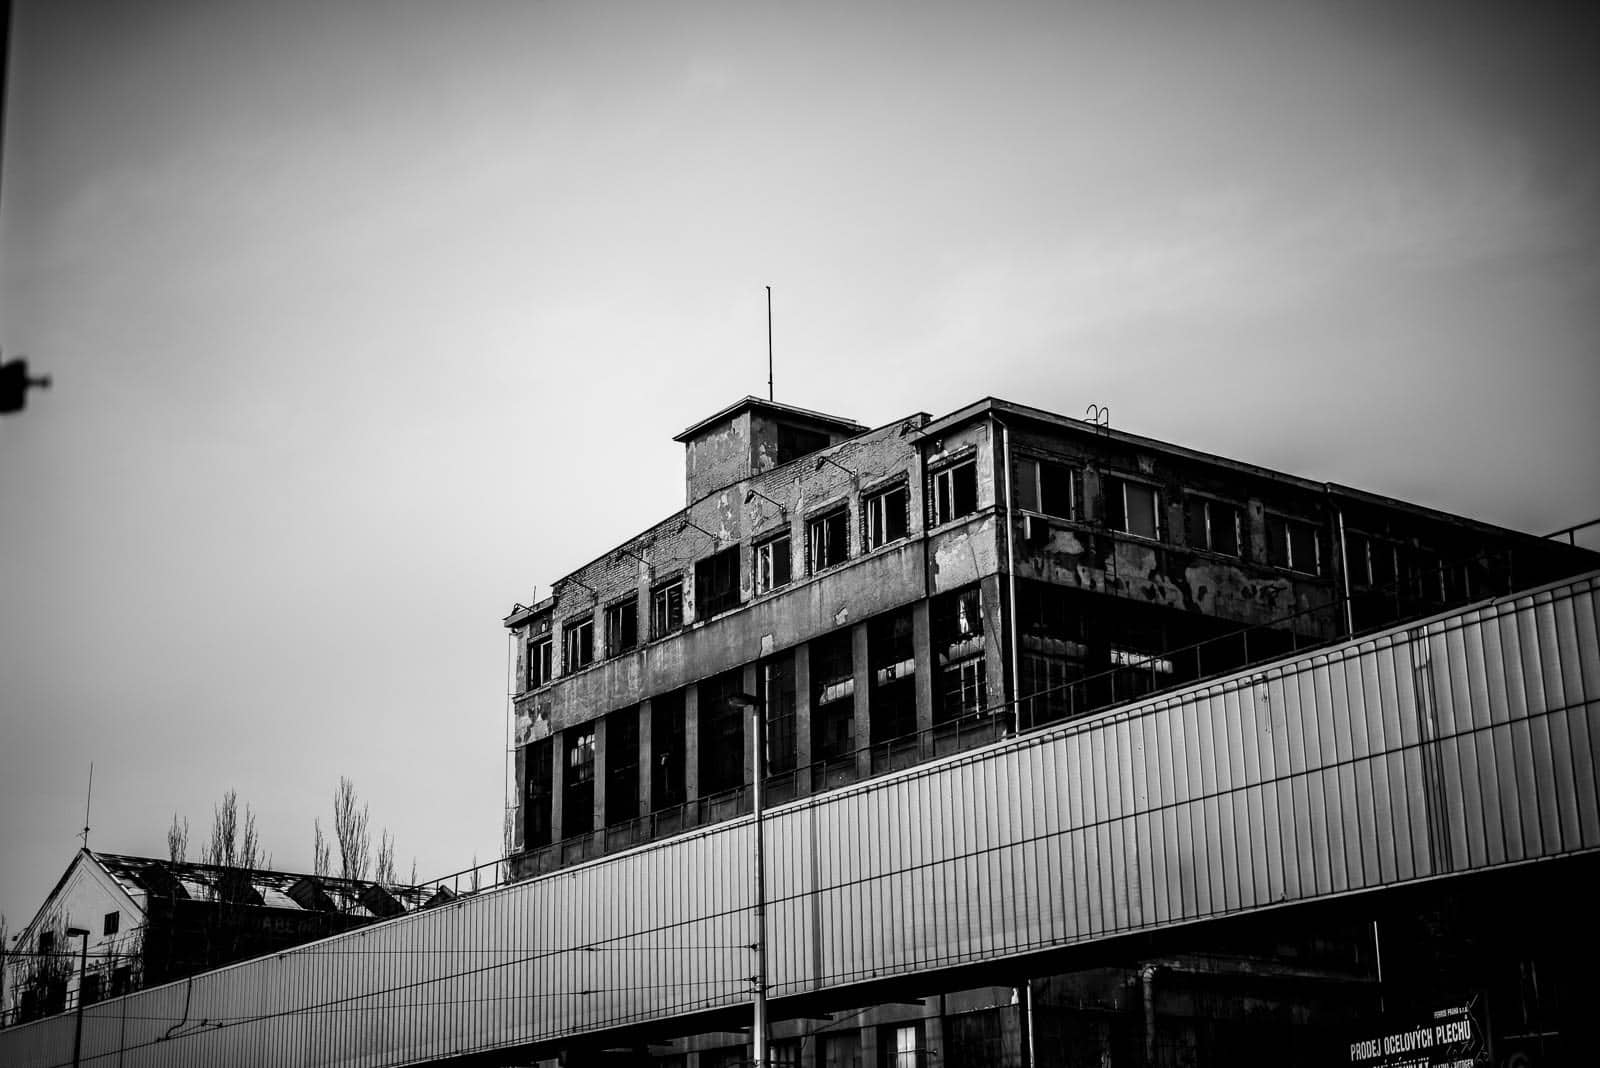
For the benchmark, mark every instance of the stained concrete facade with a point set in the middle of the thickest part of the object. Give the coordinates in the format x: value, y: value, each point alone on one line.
x: 1077, y: 565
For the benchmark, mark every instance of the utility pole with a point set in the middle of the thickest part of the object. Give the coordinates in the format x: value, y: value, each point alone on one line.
x: 83, y: 967
x: 759, y: 742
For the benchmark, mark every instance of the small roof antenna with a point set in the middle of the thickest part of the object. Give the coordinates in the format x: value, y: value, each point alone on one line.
x: 769, y: 344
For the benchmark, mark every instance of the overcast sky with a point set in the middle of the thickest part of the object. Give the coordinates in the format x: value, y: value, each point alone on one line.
x: 365, y: 319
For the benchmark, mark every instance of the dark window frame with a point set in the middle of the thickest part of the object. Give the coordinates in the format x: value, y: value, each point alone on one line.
x: 1118, y: 516
x: 577, y: 643
x: 950, y: 500
x: 883, y: 521
x: 833, y: 526
x: 716, y: 583
x: 666, y: 611
x: 766, y: 551
x: 621, y: 625
x: 1204, y: 509
x: 540, y: 669
x: 1284, y: 549
x: 1030, y: 492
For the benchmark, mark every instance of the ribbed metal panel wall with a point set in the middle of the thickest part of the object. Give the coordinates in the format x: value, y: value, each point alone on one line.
x: 1460, y: 744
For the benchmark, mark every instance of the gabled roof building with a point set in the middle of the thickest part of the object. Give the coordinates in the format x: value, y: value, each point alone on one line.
x: 152, y: 920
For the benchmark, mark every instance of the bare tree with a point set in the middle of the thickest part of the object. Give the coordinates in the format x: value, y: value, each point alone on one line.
x: 385, y: 870
x: 42, y: 986
x: 350, y: 830
x: 229, y: 848
x: 178, y: 840
x: 413, y: 871
x: 477, y: 876
x: 320, y: 851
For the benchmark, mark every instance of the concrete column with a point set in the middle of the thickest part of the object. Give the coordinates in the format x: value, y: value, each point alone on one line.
x: 647, y: 760
x: 860, y: 663
x: 691, y: 742
x: 994, y: 646
x: 519, y: 819
x: 802, y: 717
x: 558, y: 783
x: 927, y: 666
x: 749, y: 686
x: 597, y: 818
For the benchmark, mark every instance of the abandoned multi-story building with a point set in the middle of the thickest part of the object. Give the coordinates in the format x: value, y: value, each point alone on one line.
x: 892, y: 595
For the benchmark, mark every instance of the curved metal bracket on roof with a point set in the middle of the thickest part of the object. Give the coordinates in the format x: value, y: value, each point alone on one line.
x: 1100, y: 417
x: 752, y: 493
x: 579, y: 582
x: 687, y: 522
x: 826, y: 459
x: 630, y: 552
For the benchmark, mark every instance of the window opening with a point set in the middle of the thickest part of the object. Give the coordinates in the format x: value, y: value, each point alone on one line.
x: 893, y: 661
x: 716, y: 583
x: 538, y: 774
x: 577, y: 802
x: 833, y: 688
x: 579, y: 638
x: 901, y: 1046
x: 828, y: 539
x: 622, y: 626
x: 1294, y: 544
x: 958, y: 642
x: 666, y: 608
x: 887, y: 516
x: 775, y: 680
x: 1213, y: 525
x: 955, y: 492
x: 772, y: 564
x: 721, y: 733
x: 666, y: 751
x: 1133, y: 508
x: 112, y: 921
x: 794, y: 442
x: 541, y: 661
x: 622, y: 766
x: 1046, y: 487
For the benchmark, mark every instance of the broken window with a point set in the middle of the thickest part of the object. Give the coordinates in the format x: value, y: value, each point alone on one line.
x: 1054, y: 652
x: 887, y: 516
x: 1213, y: 525
x: 833, y: 687
x: 666, y: 751
x: 622, y: 626
x: 794, y: 442
x: 538, y: 776
x: 1047, y: 488
x: 577, y: 801
x: 1358, y: 560
x: 1294, y: 544
x: 775, y: 680
x: 579, y: 641
x: 666, y: 608
x: 716, y: 583
x: 772, y: 564
x: 1133, y: 508
x: 957, y: 622
x: 894, y: 683
x: 955, y: 492
x: 541, y: 661
x: 721, y: 733
x: 622, y: 766
x: 828, y: 539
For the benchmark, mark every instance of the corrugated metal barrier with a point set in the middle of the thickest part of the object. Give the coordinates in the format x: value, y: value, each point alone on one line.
x: 1457, y: 744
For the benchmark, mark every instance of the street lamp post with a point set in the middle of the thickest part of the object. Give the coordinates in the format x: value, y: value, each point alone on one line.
x: 758, y: 742
x: 83, y: 967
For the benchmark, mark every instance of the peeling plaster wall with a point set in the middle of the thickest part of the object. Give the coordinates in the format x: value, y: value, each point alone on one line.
x: 1085, y: 555
x: 717, y: 456
x: 885, y: 579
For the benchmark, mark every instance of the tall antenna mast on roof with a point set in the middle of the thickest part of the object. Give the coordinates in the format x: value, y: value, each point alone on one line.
x: 88, y: 798
x: 769, y: 344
